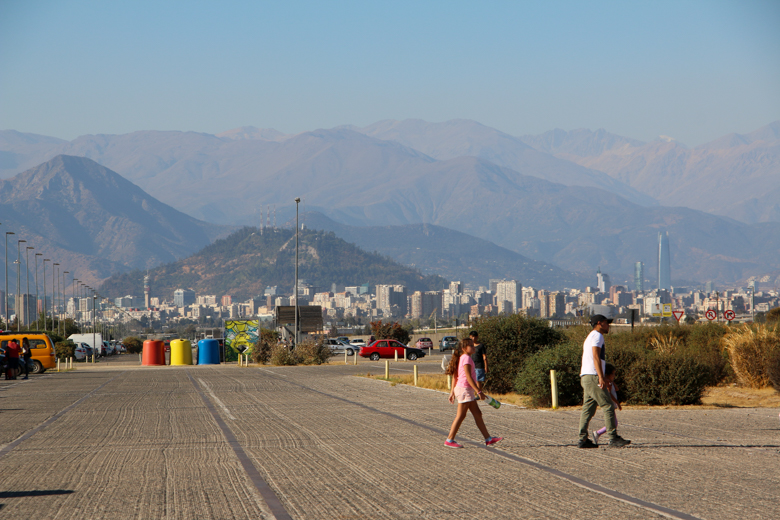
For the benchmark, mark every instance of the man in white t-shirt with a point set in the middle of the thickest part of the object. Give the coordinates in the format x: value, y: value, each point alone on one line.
x: 595, y: 386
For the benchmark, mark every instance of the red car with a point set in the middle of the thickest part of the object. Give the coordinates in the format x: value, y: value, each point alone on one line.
x: 424, y: 343
x: 386, y: 348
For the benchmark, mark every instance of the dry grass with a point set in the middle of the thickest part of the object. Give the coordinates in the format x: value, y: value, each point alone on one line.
x: 439, y: 382
x: 750, y: 349
x: 739, y: 397
x: 665, y: 344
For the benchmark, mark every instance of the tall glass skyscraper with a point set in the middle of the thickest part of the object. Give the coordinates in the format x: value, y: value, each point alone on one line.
x: 664, y: 262
x: 639, y: 277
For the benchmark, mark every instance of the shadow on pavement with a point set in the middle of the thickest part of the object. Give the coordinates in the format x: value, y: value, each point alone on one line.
x: 36, y: 493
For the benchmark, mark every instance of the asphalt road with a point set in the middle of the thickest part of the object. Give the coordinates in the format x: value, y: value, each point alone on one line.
x: 117, y: 440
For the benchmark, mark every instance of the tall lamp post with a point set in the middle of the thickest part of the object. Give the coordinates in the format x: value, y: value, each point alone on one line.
x: 6, y: 277
x: 65, y: 308
x: 45, y: 325
x: 53, y: 295
x: 27, y: 300
x: 37, y: 296
x: 295, y: 289
x: 18, y: 306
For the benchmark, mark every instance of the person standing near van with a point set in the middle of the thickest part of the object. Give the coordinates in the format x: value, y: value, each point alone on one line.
x: 26, y: 355
x: 12, y: 352
x: 480, y: 359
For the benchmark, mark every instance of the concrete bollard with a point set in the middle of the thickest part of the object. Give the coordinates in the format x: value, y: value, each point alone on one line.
x: 140, y: 360
x: 449, y: 382
x: 404, y: 354
x: 554, y: 388
x: 396, y: 355
x: 387, y: 369
x: 345, y: 357
x: 354, y: 361
x: 70, y: 362
x: 415, y: 375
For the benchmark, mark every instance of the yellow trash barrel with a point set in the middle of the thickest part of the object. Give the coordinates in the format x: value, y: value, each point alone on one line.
x: 181, y: 352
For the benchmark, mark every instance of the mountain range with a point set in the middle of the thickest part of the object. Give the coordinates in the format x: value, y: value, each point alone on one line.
x: 95, y: 222
x: 465, y: 177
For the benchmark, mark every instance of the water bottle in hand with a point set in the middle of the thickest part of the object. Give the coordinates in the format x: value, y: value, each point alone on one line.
x: 492, y: 402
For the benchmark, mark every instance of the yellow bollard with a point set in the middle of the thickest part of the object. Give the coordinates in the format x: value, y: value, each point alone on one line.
x: 449, y: 382
x: 354, y: 361
x: 396, y: 355
x: 554, y: 387
x: 415, y: 375
x: 345, y: 357
x: 404, y: 354
x: 387, y: 369
x: 58, y: 364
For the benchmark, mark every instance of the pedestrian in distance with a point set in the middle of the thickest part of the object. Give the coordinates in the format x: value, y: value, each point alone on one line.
x: 12, y: 351
x: 595, y: 387
x: 609, y: 373
x: 465, y: 390
x: 480, y: 359
x: 26, y: 355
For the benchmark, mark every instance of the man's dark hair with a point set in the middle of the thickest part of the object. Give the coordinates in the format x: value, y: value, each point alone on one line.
x: 473, y: 334
x: 609, y: 369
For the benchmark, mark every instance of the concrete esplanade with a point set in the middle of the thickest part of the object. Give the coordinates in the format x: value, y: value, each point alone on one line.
x: 118, y: 440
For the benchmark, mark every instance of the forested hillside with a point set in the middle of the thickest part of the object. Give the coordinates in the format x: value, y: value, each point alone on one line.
x: 245, y: 262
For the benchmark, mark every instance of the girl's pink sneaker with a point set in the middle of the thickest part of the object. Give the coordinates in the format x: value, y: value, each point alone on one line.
x: 452, y: 444
x: 492, y: 440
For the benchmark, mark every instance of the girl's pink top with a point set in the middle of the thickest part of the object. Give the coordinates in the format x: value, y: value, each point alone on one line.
x: 465, y: 363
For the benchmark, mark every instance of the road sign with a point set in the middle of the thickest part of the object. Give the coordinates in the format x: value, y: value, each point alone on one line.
x: 729, y: 315
x: 710, y: 315
x: 677, y: 315
x: 667, y: 310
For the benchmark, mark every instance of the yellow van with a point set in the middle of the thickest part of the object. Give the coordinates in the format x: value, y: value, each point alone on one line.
x: 41, y: 348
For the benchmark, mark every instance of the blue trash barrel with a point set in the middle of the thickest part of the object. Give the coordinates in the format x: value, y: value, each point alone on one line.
x: 208, y: 352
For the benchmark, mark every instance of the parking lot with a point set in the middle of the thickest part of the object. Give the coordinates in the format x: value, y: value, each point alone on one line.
x: 116, y: 440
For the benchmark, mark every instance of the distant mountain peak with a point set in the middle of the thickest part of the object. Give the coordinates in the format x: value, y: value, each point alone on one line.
x: 252, y: 133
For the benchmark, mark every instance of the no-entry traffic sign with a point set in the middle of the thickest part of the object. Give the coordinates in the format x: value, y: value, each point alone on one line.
x: 710, y: 315
x: 678, y: 314
x: 729, y: 315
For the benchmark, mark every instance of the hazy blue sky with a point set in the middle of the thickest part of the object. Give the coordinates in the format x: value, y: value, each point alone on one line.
x: 693, y: 70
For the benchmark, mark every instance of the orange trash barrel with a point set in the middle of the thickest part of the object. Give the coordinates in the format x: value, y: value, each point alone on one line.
x: 154, y: 353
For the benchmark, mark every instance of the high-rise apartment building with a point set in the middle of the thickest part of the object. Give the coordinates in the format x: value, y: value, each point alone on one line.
x: 639, y: 277
x: 425, y: 303
x: 388, y: 296
x: 456, y: 288
x: 183, y: 297
x: 664, y: 262
x: 509, y: 291
x: 602, y: 281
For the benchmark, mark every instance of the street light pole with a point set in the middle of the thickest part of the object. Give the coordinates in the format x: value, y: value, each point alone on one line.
x: 53, y: 295
x: 37, y: 296
x: 295, y: 289
x: 27, y: 300
x: 18, y: 306
x: 62, y: 292
x: 45, y: 325
x: 6, y: 276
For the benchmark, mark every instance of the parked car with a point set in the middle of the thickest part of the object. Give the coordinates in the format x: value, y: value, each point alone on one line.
x: 80, y: 352
x: 358, y: 342
x: 448, y: 343
x: 424, y: 343
x: 343, y: 339
x: 338, y: 347
x: 386, y: 348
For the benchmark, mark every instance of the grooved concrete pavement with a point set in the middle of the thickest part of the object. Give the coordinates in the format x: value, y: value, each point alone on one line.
x: 140, y: 442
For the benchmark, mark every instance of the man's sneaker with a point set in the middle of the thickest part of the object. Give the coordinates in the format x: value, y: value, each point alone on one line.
x: 596, y: 437
x: 618, y: 442
x: 587, y: 443
x: 492, y: 440
x: 452, y: 444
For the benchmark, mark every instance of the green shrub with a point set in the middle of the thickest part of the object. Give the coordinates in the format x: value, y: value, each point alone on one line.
x: 534, y: 379
x: 662, y: 379
x: 312, y: 353
x: 261, y: 353
x: 64, y: 349
x: 281, y: 356
x: 773, y: 370
x: 773, y: 315
x: 133, y: 345
x: 509, y: 340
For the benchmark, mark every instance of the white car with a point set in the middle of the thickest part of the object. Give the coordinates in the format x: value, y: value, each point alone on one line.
x: 80, y: 352
x: 357, y: 342
x: 338, y: 347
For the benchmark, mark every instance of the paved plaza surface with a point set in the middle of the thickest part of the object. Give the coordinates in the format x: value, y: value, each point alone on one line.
x: 120, y: 441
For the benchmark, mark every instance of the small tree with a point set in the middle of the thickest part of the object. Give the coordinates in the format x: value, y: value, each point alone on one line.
x: 133, y: 345
x: 773, y: 315
x: 268, y: 339
x: 389, y: 331
x: 64, y: 349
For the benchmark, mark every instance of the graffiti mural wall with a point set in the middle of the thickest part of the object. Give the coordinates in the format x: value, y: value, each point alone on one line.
x: 240, y: 337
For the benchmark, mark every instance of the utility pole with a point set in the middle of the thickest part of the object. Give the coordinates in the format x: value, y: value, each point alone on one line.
x: 295, y: 289
x: 18, y: 303
x: 27, y: 300
x: 45, y: 325
x: 6, y: 277
x: 37, y: 295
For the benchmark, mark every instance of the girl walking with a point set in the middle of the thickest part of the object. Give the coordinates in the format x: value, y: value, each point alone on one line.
x: 466, y: 391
